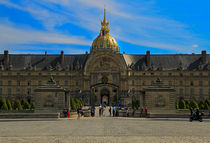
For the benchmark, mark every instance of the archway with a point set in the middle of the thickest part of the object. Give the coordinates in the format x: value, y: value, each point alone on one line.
x: 105, y: 96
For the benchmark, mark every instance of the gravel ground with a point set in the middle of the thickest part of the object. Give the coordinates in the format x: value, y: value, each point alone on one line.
x: 104, y: 130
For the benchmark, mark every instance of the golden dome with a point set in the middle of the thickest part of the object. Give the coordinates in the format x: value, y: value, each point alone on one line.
x: 105, y: 41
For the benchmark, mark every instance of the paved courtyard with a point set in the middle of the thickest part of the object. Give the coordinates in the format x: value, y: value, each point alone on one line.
x: 104, y: 130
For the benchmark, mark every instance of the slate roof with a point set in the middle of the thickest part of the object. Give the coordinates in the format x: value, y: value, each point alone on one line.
x: 77, y: 62
x: 168, y: 62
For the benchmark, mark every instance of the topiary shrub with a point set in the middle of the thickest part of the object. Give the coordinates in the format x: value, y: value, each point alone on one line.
x: 2, y: 100
x: 201, y: 105
x: 17, y: 105
x: 9, y: 105
x: 206, y: 106
x: 207, y: 101
x: 177, y: 105
x: 32, y: 106
x: 4, y: 104
x: 25, y: 104
x: 182, y: 104
x: 187, y: 103
x: 73, y: 104
x: 194, y: 104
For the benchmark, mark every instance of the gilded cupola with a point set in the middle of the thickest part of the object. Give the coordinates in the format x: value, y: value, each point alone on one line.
x: 104, y: 41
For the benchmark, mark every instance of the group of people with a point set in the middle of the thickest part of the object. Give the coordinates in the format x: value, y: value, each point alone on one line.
x: 66, y: 112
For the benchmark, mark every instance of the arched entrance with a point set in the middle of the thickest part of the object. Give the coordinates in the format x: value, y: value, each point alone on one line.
x: 105, y: 96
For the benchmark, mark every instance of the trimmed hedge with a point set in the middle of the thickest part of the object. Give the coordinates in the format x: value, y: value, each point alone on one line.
x: 182, y: 104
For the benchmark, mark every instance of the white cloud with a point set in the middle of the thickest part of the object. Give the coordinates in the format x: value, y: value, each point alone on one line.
x: 11, y: 36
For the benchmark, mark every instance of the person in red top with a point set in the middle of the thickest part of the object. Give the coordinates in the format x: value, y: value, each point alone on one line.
x: 68, y: 113
x: 146, y: 111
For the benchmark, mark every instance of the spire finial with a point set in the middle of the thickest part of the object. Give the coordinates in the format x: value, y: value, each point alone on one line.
x: 104, y: 24
x: 104, y: 13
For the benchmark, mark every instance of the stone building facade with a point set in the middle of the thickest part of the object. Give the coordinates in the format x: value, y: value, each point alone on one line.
x: 105, y: 74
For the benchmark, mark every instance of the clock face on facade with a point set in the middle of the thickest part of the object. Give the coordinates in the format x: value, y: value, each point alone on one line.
x: 104, y: 79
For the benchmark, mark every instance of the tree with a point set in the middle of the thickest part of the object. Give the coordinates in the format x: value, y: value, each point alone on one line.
x: 193, y: 104
x: 182, y: 104
x: 9, y: 105
x: 17, y: 105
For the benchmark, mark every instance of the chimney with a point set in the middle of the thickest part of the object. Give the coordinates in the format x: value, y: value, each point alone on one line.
x: 203, y: 54
x: 62, y: 57
x: 6, y: 56
x: 86, y: 52
x: 148, y: 58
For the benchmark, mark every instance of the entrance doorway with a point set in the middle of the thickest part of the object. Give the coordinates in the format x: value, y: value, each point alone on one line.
x: 105, y: 96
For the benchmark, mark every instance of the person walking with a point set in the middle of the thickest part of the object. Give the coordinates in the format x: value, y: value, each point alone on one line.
x: 100, y: 111
x: 78, y: 113
x: 142, y: 110
x: 110, y: 111
x: 113, y: 110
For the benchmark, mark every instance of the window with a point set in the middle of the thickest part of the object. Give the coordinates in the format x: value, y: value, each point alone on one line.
x: 18, y: 91
x: 18, y: 83
x: 161, y: 74
x: 48, y: 74
x: 200, y: 74
x: 0, y: 91
x: 57, y: 82
x: 29, y: 91
x: 200, y: 83
x: 201, y: 91
x: 169, y: 74
x: 114, y: 78
x: 180, y: 82
x: 95, y: 79
x: 133, y: 83
x: 144, y: 73
x: 77, y: 83
x: 170, y: 83
x: 9, y: 82
x: 152, y: 82
x: 181, y: 91
x: 18, y: 74
x: 144, y: 83
x: 29, y: 83
x: 209, y: 91
x: 9, y: 91
x: 209, y: 83
x: 39, y: 82
x: 191, y: 74
x: 29, y: 74
x: 191, y: 91
x: 1, y: 83
x: 152, y: 73
x: 1, y: 74
x: 191, y: 83
x: 9, y: 73
x: 66, y: 73
x: 66, y: 82
x: 57, y: 74
x: 40, y: 74
x: 180, y: 74
x: 208, y: 74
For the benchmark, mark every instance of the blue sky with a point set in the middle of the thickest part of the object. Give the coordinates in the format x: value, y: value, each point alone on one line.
x: 161, y: 26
